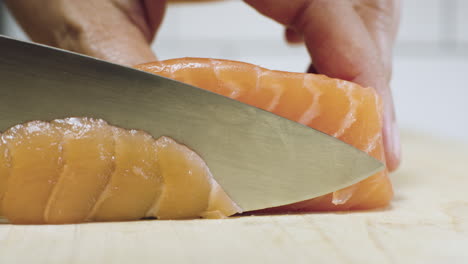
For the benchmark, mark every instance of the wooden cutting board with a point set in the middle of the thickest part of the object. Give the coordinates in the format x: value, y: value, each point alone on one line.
x: 427, y: 223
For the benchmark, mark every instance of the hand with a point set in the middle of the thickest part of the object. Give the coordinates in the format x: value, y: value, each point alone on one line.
x: 347, y: 39
x: 119, y: 31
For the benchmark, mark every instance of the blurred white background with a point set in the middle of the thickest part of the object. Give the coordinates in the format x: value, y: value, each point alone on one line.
x: 430, y: 80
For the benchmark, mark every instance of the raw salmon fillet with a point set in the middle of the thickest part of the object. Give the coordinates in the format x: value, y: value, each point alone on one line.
x: 81, y: 169
x: 339, y: 108
x: 77, y: 170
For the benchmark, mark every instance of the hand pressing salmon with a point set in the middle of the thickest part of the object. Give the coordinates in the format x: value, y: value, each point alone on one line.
x: 81, y: 169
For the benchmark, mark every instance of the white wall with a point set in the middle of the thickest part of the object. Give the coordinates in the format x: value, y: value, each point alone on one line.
x: 431, y: 61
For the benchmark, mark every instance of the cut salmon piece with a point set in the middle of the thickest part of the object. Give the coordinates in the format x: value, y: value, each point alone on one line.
x: 136, y: 182
x: 78, y: 170
x: 188, y: 185
x: 35, y: 165
x: 338, y: 108
x: 87, y: 154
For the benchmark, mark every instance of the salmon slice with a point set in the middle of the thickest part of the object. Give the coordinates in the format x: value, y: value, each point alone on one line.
x: 87, y: 154
x: 338, y: 108
x: 188, y: 185
x: 78, y: 170
x: 35, y: 165
x: 136, y: 181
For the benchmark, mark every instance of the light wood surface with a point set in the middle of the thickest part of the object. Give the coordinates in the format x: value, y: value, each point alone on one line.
x: 427, y: 223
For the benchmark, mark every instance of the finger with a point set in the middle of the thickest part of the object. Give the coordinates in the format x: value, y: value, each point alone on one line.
x: 336, y: 38
x: 109, y: 30
x: 340, y: 46
x: 154, y: 10
x: 339, y: 43
x: 381, y: 20
x: 391, y: 134
x: 293, y: 37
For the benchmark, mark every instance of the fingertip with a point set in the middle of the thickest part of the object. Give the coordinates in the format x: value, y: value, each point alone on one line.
x: 392, y: 145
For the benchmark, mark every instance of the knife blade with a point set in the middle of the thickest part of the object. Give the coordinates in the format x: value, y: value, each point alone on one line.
x: 260, y: 159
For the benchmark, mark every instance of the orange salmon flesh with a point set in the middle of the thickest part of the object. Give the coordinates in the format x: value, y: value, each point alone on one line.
x: 338, y: 108
x: 78, y: 170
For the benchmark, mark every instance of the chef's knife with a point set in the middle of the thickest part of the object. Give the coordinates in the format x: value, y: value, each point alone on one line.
x: 260, y: 159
